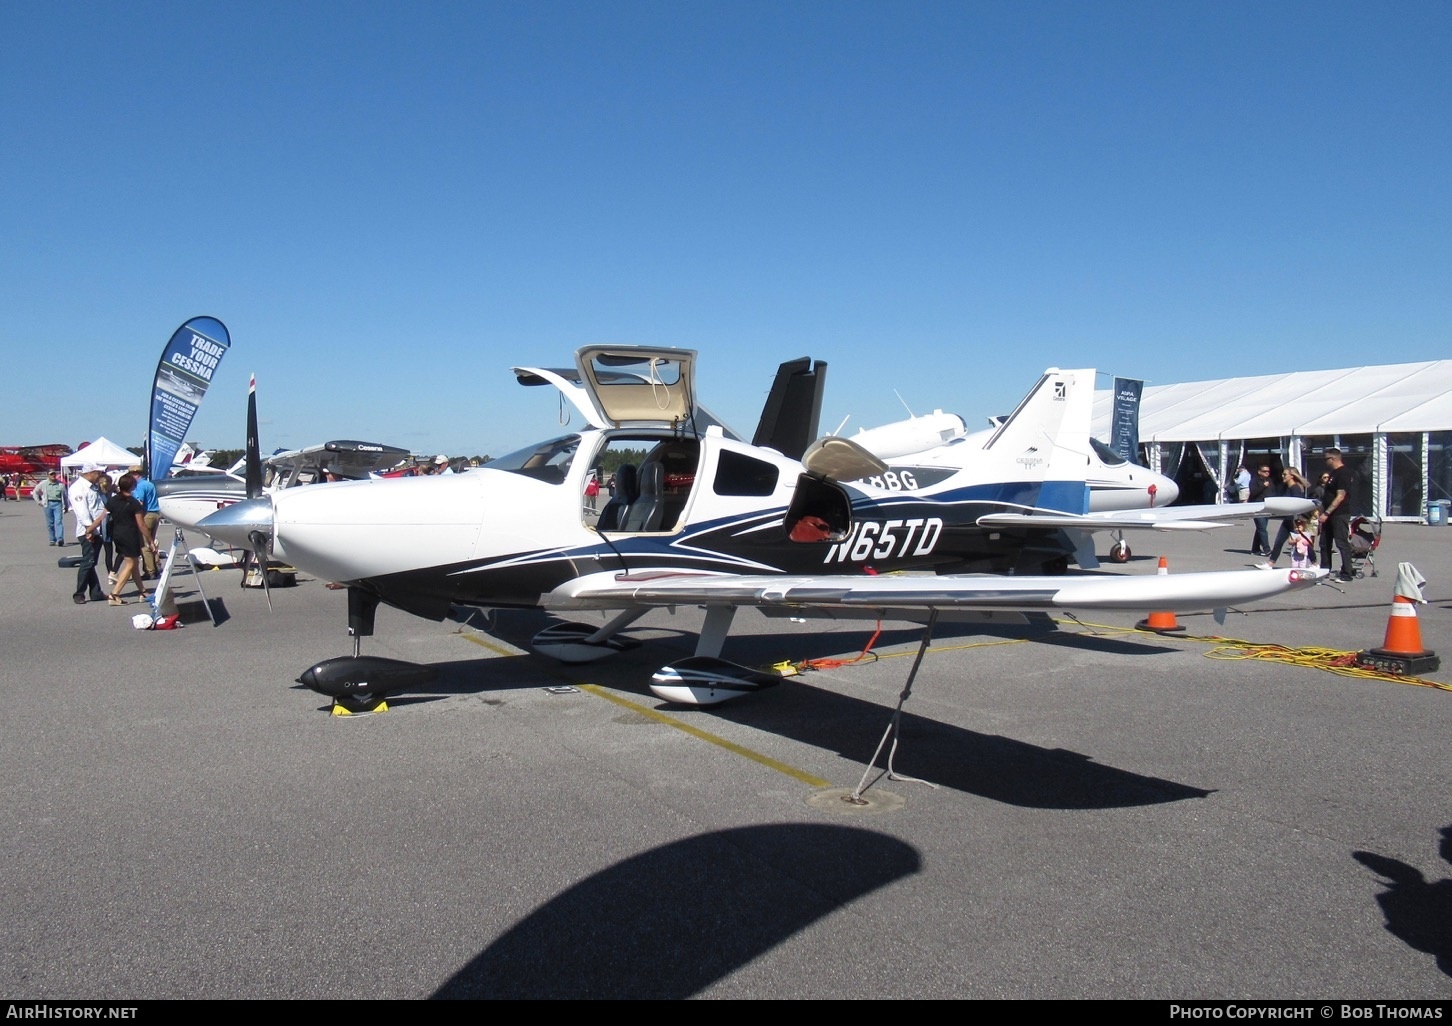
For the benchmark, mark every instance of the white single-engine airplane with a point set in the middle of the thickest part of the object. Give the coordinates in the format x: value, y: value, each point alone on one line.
x: 1114, y: 483
x: 1116, y: 486
x: 702, y: 517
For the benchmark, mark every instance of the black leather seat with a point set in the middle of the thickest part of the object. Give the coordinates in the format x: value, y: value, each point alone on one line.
x: 645, y: 513
x: 626, y: 491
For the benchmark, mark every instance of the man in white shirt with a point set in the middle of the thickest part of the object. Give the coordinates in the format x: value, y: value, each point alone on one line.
x: 89, y: 506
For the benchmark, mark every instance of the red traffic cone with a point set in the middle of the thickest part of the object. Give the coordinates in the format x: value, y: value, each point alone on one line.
x: 1401, y: 652
x: 1161, y: 623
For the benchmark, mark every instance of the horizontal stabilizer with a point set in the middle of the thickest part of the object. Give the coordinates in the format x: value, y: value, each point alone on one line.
x: 1141, y: 520
x: 1164, y: 518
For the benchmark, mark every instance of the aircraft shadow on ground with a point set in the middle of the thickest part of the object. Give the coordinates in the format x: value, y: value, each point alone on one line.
x: 990, y: 766
x: 673, y: 920
x: 192, y: 607
x: 835, y: 639
x: 1417, y: 911
x: 476, y: 677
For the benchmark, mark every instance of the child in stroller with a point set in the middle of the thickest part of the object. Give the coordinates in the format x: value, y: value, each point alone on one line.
x: 1365, y: 537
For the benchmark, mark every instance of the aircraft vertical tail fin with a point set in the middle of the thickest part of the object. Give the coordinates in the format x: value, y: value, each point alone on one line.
x: 793, y: 407
x: 1047, y: 436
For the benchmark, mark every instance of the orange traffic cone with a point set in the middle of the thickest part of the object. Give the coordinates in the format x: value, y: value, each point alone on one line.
x: 1401, y: 652
x: 1403, y: 631
x: 1161, y: 623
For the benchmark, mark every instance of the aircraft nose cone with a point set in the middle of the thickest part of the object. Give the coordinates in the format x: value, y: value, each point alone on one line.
x: 236, y: 524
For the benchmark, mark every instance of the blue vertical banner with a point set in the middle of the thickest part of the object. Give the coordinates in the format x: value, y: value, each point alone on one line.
x: 182, y: 376
x: 1124, y: 428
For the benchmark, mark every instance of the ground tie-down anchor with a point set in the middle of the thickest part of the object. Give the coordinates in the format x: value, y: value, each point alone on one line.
x: 855, y: 798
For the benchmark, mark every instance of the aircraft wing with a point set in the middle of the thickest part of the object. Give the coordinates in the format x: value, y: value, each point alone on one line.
x: 1165, y: 518
x: 867, y: 593
x: 346, y: 458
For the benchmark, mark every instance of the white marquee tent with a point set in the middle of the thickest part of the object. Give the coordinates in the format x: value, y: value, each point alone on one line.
x: 1394, y: 421
x: 103, y: 452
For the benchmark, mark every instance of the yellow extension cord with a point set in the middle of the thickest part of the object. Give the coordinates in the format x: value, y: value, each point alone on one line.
x: 1328, y: 659
x: 1312, y: 657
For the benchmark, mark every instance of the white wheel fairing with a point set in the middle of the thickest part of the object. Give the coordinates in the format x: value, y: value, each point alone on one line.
x: 704, y: 680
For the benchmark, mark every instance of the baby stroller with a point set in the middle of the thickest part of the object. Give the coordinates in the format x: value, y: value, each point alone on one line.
x: 1365, y: 537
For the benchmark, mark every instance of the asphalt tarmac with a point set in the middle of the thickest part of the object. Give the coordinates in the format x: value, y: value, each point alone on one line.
x: 1107, y: 814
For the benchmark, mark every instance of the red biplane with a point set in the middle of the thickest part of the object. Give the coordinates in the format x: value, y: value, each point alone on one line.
x: 21, y: 462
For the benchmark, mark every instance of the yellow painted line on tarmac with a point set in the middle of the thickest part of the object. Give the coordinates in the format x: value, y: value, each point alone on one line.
x: 669, y: 721
x: 491, y: 646
x: 696, y: 732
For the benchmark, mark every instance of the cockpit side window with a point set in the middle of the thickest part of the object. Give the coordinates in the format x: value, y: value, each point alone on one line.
x: 737, y: 474
x: 1106, y: 455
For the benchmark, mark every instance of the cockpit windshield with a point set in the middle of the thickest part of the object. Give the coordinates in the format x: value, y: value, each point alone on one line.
x: 547, y: 461
x: 1107, y: 455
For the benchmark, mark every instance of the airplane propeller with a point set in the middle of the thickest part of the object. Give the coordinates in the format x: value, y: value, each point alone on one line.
x: 259, y: 553
x: 258, y: 539
x: 254, y: 449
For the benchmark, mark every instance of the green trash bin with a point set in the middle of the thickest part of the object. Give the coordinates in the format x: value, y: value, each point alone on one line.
x: 1438, y: 511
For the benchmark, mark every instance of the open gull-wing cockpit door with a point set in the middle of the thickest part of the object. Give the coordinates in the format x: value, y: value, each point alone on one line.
x: 639, y: 386
x: 631, y: 386
x: 567, y: 380
x: 820, y: 509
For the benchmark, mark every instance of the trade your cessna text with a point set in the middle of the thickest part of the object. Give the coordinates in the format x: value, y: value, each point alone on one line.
x: 203, y: 360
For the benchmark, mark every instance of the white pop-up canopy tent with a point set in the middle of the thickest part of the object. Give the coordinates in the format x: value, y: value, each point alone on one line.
x: 104, y: 453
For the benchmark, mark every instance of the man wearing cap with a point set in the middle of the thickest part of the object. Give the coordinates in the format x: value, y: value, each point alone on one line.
x: 52, y: 498
x: 89, y: 506
x: 441, y: 462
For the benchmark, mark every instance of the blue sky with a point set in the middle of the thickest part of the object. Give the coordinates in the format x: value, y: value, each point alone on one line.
x: 390, y: 204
